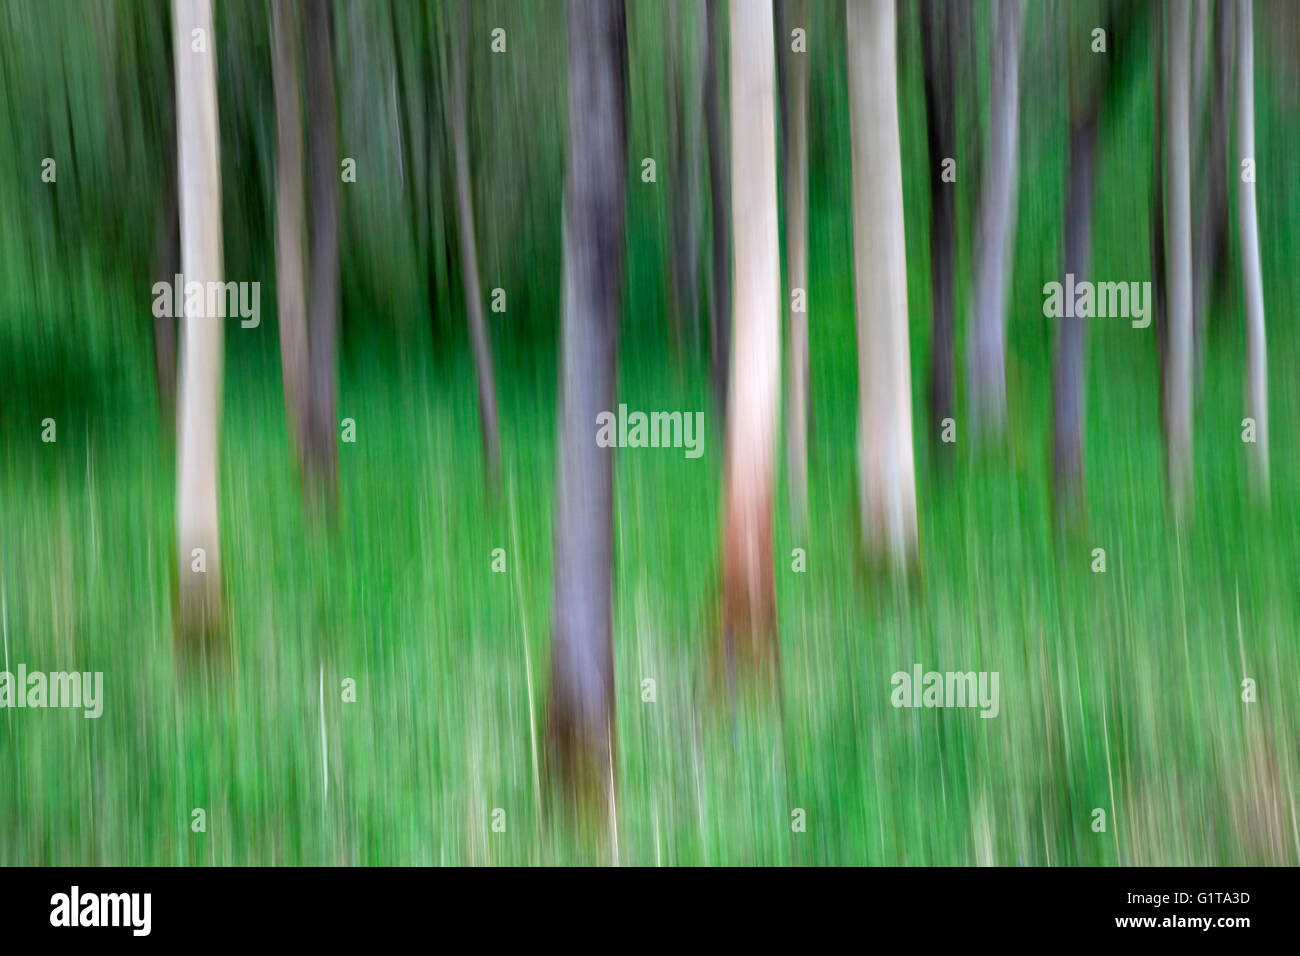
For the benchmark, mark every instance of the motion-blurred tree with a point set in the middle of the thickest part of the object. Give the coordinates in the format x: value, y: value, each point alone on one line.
x: 322, y: 333
x: 582, y: 657
x: 455, y: 82
x: 1178, y: 232
x: 886, y: 470
x: 753, y: 403
x: 1252, y: 277
x: 794, y: 125
x: 198, y: 538
x: 937, y: 28
x: 987, y: 337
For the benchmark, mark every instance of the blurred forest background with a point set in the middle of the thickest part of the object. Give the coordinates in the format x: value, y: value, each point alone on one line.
x: 373, y: 560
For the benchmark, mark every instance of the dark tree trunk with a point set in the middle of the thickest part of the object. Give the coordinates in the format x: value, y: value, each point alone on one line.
x: 794, y: 124
x: 417, y: 197
x: 941, y: 129
x: 1178, y: 381
x: 719, y: 186
x: 322, y: 135
x: 995, y: 239
x: 1157, y: 213
x: 290, y: 216
x: 1069, y: 372
x: 683, y: 125
x: 480, y: 339
x: 167, y: 243
x: 1212, y: 213
x: 582, y: 660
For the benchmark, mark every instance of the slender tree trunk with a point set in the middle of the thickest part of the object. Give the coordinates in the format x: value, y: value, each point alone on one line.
x: 941, y: 129
x: 290, y: 221
x: 1159, y: 281
x: 683, y: 123
x: 1252, y: 278
x: 1200, y: 27
x: 322, y: 347
x: 1069, y: 371
x: 720, y: 328
x: 886, y: 479
x: 431, y: 205
x: 694, y: 149
x: 753, y: 403
x: 1212, y: 214
x: 167, y: 248
x: 965, y: 49
x: 480, y: 338
x: 794, y: 121
x: 413, y: 181
x: 167, y: 259
x: 582, y: 661
x: 199, y: 419
x: 1178, y: 395
x: 986, y: 358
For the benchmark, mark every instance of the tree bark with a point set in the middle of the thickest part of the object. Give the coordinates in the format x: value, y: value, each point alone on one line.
x: 1212, y: 214
x: 199, y: 419
x: 720, y: 327
x: 167, y: 248
x: 937, y: 22
x: 1178, y: 402
x: 1069, y: 372
x: 1252, y: 278
x: 684, y: 135
x: 794, y: 121
x: 322, y: 347
x: 986, y: 358
x: 1159, y: 280
x: 480, y: 337
x: 290, y: 221
x: 886, y: 479
x: 753, y: 402
x: 582, y: 663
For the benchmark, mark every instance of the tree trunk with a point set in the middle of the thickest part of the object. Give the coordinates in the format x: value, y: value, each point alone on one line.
x: 720, y: 328
x: 1159, y: 281
x: 199, y: 419
x: 167, y: 248
x: 794, y: 121
x: 322, y: 348
x: 684, y: 135
x: 1069, y: 372
x: 1212, y: 214
x: 941, y: 129
x: 886, y: 480
x: 986, y: 358
x: 582, y: 662
x: 415, y: 188
x: 1178, y: 395
x: 167, y: 259
x: 1252, y: 278
x: 290, y: 219
x: 753, y: 402
x: 480, y: 338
